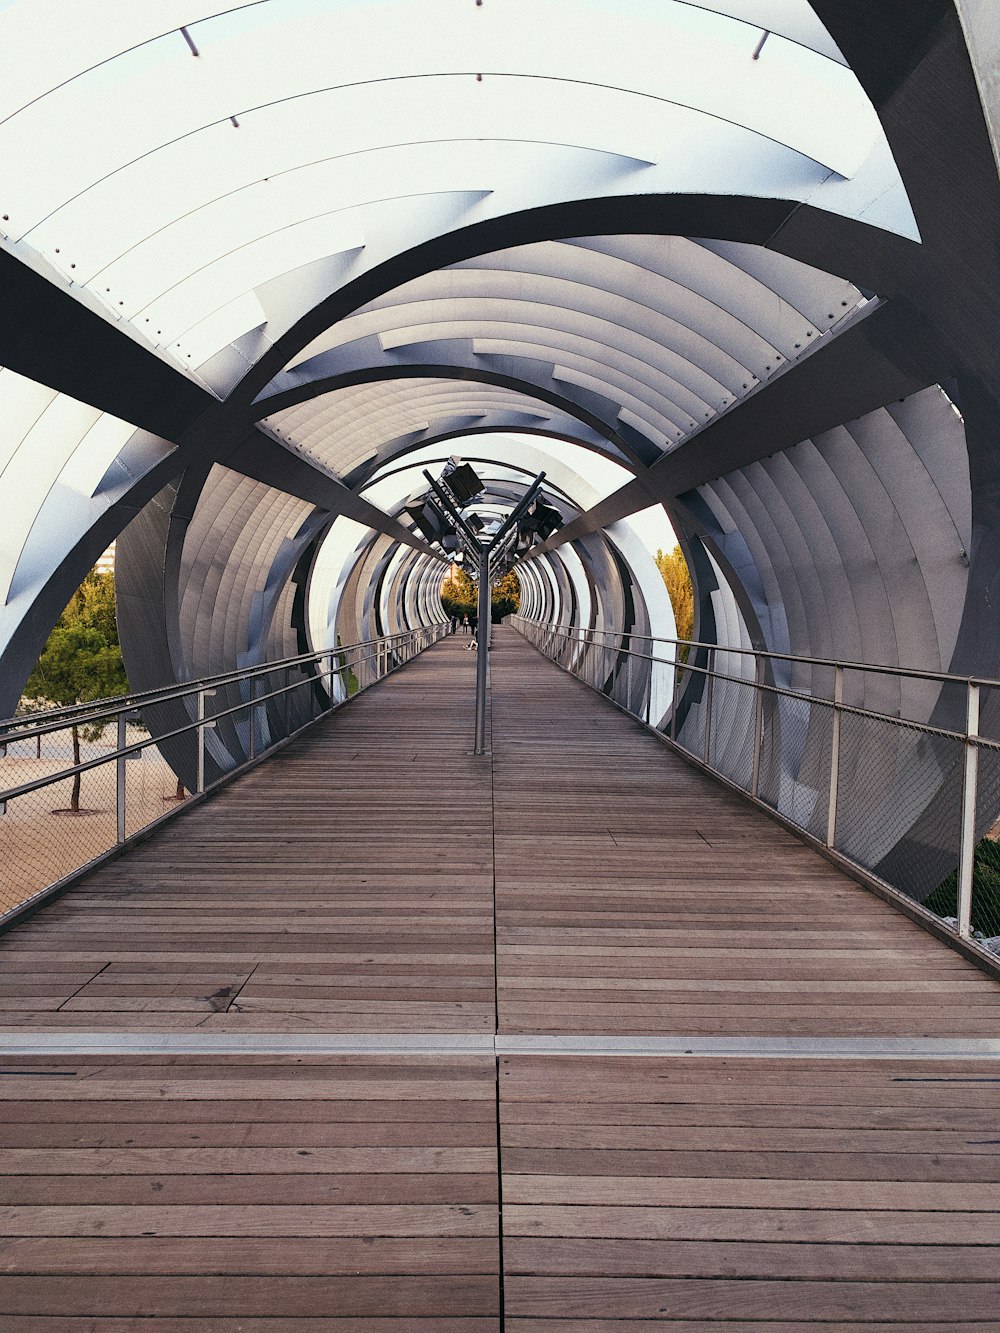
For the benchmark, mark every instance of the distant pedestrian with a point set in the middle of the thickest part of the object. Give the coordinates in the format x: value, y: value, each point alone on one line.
x: 465, y: 623
x: 473, y: 625
x: 454, y: 622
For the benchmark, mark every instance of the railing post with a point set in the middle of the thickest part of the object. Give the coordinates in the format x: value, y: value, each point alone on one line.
x: 838, y: 699
x: 203, y: 726
x: 709, y: 697
x: 482, y: 653
x: 329, y: 678
x: 970, y: 783
x: 120, y: 778
x: 758, y: 724
x: 252, y: 747
x: 628, y: 684
x: 675, y: 693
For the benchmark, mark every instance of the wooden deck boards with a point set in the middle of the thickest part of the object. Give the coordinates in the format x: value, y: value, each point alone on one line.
x: 344, y: 886
x: 634, y: 895
x: 815, y: 1198
x: 143, y: 1188
x: 347, y: 886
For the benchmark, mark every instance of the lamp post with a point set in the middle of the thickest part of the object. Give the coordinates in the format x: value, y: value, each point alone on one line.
x: 483, y: 627
x: 481, y: 555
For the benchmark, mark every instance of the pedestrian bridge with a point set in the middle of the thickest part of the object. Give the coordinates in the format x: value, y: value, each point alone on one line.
x: 385, y: 1035
x: 667, y: 1001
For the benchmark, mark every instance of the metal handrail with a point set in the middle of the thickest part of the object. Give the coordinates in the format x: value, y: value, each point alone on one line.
x: 372, y: 658
x: 785, y: 691
x: 103, y: 710
x: 545, y: 636
x: 200, y: 689
x: 879, y: 668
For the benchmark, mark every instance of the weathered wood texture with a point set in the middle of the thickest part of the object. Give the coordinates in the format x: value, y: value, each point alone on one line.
x: 348, y: 886
x: 343, y: 886
x: 750, y: 1194
x: 225, y: 1191
x: 635, y: 895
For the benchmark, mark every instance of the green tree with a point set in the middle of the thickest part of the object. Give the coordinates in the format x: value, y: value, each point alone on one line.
x: 459, y: 594
x: 676, y: 576
x: 985, y: 891
x: 506, y: 596
x: 82, y: 660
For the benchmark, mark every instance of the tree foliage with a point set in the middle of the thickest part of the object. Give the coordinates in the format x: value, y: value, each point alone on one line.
x: 985, y: 891
x: 506, y: 596
x: 460, y: 595
x: 82, y: 659
x: 673, y: 568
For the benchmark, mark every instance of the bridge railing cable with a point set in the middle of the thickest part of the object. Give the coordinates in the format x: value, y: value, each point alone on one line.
x: 894, y: 771
x: 78, y: 784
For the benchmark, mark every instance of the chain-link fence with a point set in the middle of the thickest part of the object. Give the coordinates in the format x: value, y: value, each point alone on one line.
x: 896, y: 770
x: 76, y: 783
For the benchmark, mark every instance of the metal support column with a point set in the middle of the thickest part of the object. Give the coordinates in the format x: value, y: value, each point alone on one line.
x: 758, y: 726
x: 838, y: 699
x: 203, y: 726
x: 120, y: 783
x: 970, y: 783
x: 482, y: 651
x: 709, y: 698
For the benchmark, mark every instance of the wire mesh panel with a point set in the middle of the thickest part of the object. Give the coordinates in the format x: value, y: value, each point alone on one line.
x: 985, y: 920
x: 795, y: 759
x: 691, y: 729
x: 734, y: 706
x: 152, y: 788
x: 639, y: 685
x: 48, y: 833
x: 619, y: 678
x: 899, y: 803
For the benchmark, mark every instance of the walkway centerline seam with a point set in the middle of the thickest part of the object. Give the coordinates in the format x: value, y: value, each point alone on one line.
x: 496, y: 986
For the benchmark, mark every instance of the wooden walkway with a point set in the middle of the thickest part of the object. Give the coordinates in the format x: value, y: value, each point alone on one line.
x: 353, y: 922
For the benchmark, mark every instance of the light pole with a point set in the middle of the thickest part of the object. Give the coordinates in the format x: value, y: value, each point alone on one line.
x: 485, y: 557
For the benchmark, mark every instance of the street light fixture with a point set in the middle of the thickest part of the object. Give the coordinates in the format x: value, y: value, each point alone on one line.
x: 487, y: 552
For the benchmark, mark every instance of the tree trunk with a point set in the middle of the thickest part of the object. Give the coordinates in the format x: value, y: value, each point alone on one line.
x: 74, y: 800
x: 179, y: 793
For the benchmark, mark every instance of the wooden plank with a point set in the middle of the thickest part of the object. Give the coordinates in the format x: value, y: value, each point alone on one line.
x: 249, y: 1324
x: 853, y: 1226
x: 775, y: 1260
x: 735, y: 1325
x: 309, y: 1257
x: 800, y: 1302
x: 207, y: 1298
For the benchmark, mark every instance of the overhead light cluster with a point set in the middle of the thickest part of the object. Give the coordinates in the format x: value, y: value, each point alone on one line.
x: 437, y: 516
x: 538, y: 523
x: 462, y: 480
